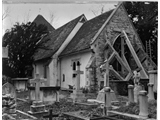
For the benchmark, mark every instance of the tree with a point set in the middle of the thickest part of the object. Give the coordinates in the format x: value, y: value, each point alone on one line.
x: 22, y: 41
x: 144, y: 16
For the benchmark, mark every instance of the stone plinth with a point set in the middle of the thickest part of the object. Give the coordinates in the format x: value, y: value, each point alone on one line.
x: 78, y: 96
x: 130, y: 93
x: 143, y: 104
x: 100, y: 96
x: 150, y: 92
x: 37, y: 108
x: 153, y: 79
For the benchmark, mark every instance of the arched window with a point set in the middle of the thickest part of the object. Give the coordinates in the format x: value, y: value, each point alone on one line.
x: 74, y: 65
x: 78, y: 63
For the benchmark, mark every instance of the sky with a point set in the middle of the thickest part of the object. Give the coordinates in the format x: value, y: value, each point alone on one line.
x: 63, y: 12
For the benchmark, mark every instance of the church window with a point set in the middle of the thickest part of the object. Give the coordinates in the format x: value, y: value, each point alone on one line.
x: 74, y: 75
x: 45, y: 71
x: 74, y: 65
x: 63, y: 77
x: 78, y: 63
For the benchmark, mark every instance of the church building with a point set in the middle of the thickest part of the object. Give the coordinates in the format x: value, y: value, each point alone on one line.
x: 110, y: 36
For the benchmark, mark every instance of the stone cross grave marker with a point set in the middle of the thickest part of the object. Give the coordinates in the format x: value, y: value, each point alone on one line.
x: 50, y: 115
x: 37, y: 82
x: 8, y: 88
x: 106, y: 78
x: 78, y: 72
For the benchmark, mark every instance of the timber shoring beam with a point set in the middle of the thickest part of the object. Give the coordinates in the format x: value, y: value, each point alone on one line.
x: 116, y: 73
x: 117, y: 56
x: 134, y: 54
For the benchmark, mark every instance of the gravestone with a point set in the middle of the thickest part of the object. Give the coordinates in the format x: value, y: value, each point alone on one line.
x: 8, y: 88
x: 8, y: 101
x: 77, y: 94
x: 37, y: 107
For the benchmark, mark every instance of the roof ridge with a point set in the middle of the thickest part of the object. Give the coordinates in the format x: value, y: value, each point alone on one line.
x: 40, y: 18
x: 70, y: 21
x: 101, y: 14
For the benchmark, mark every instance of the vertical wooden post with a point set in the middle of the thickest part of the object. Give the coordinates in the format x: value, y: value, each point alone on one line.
x: 122, y: 52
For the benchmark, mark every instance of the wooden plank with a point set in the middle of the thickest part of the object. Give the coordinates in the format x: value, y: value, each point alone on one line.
x: 111, y: 57
x: 134, y: 55
x: 129, y: 115
x: 116, y: 73
x: 126, y: 62
x: 27, y: 114
x: 128, y: 77
x: 117, y: 55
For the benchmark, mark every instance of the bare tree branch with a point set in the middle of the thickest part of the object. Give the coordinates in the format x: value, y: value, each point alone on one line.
x: 52, y: 17
x: 6, y: 13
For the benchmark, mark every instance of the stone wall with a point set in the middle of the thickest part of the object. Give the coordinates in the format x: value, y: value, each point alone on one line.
x: 118, y: 22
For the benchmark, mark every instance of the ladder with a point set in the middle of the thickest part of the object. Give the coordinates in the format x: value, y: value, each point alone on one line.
x: 148, y: 48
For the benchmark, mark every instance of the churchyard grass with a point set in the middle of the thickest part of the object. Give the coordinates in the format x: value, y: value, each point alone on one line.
x: 65, y: 106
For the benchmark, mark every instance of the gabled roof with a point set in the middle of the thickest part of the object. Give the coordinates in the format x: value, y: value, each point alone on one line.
x: 41, y: 20
x: 81, y: 41
x: 55, y: 39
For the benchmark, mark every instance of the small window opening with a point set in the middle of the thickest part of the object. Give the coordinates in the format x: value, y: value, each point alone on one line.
x: 63, y: 77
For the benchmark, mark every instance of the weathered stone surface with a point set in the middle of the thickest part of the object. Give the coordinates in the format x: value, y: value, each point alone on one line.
x: 8, y: 90
x: 100, y: 96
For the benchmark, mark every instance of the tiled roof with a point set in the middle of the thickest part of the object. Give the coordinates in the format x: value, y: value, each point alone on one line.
x: 55, y: 39
x: 81, y: 41
x: 41, y: 20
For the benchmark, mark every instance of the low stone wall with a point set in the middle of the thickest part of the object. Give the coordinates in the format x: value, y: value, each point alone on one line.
x: 20, y: 83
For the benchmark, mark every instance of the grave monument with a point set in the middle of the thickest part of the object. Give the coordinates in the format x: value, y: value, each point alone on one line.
x: 77, y: 94
x: 37, y: 107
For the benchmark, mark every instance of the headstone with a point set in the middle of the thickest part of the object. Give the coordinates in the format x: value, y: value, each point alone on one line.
x: 9, y: 101
x: 37, y: 82
x: 37, y: 107
x: 77, y: 94
x: 8, y: 88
